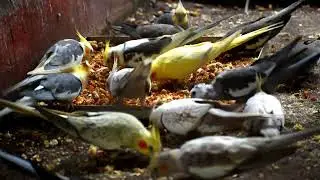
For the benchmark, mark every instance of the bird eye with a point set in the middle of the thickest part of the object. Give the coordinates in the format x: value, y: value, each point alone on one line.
x: 193, y: 93
x: 150, y: 149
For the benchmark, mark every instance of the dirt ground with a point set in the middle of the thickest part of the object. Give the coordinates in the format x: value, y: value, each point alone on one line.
x: 49, y: 147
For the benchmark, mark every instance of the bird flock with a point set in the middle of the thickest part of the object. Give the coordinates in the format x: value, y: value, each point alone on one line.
x: 162, y: 51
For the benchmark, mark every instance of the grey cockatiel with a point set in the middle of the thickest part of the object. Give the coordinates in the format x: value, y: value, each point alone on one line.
x: 214, y: 157
x: 130, y: 82
x: 240, y: 83
x: 62, y: 87
x: 132, y: 52
x: 264, y: 103
x: 255, y: 45
x: 196, y: 115
x: 107, y: 130
x: 148, y: 30
x: 63, y: 54
x: 178, y: 17
x: 297, y: 65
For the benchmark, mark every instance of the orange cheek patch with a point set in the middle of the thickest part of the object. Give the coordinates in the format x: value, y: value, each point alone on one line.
x: 142, y: 144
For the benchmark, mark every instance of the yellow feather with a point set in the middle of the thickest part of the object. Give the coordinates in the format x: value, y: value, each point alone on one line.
x: 180, y: 62
x: 106, y: 51
x: 83, y: 40
x: 246, y: 37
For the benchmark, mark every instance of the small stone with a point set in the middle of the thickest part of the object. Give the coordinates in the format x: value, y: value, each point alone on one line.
x: 68, y: 140
x: 53, y: 142
x: 37, y: 157
x: 8, y: 135
x: 261, y: 175
x: 46, y: 143
x: 24, y: 156
x: 235, y: 176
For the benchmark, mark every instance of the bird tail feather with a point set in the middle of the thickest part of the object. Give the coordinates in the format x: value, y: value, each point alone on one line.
x: 128, y: 30
x: 247, y: 37
x: 22, y: 106
x: 288, y: 139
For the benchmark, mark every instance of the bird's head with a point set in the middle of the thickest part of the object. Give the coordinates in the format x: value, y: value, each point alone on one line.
x: 200, y: 91
x: 87, y: 46
x: 149, y: 143
x: 180, y: 16
x: 82, y: 71
x: 166, y: 163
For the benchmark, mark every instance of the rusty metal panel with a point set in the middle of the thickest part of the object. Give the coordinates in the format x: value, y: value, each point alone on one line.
x: 28, y: 28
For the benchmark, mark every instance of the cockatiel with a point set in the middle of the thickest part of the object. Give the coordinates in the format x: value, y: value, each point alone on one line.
x: 27, y: 168
x: 240, y: 83
x: 107, y: 130
x: 184, y: 116
x: 264, y: 103
x: 62, y: 87
x: 63, y: 54
x: 255, y: 45
x: 148, y: 30
x: 178, y: 16
x: 297, y: 65
x: 132, y: 52
x: 130, y: 82
x: 189, y: 58
x: 215, y: 157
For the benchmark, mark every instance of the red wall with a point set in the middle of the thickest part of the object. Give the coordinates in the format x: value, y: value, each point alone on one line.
x: 29, y: 27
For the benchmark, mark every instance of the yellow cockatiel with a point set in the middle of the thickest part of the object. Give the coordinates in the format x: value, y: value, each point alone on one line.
x: 180, y: 62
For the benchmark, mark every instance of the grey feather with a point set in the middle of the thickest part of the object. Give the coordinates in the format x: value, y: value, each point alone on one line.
x: 63, y: 53
x: 264, y: 103
x: 259, y: 42
x: 108, y: 130
x: 240, y: 83
x: 186, y: 115
x: 59, y: 87
x: 132, y: 52
x: 130, y: 82
x: 148, y: 31
x: 213, y: 157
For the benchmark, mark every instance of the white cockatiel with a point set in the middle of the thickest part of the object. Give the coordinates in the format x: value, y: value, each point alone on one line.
x: 196, y: 115
x: 264, y: 103
x: 60, y: 87
x: 215, y: 157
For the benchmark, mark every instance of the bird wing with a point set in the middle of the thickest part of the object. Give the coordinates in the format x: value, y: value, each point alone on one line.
x: 31, y: 81
x: 182, y: 116
x: 186, y: 58
x: 165, y: 18
x: 64, y: 53
x: 61, y: 87
x: 156, y: 30
x: 285, y: 74
x: 118, y: 80
x: 237, y: 82
x: 214, y: 156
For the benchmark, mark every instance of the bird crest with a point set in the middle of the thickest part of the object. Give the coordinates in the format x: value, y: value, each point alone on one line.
x: 83, y: 40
